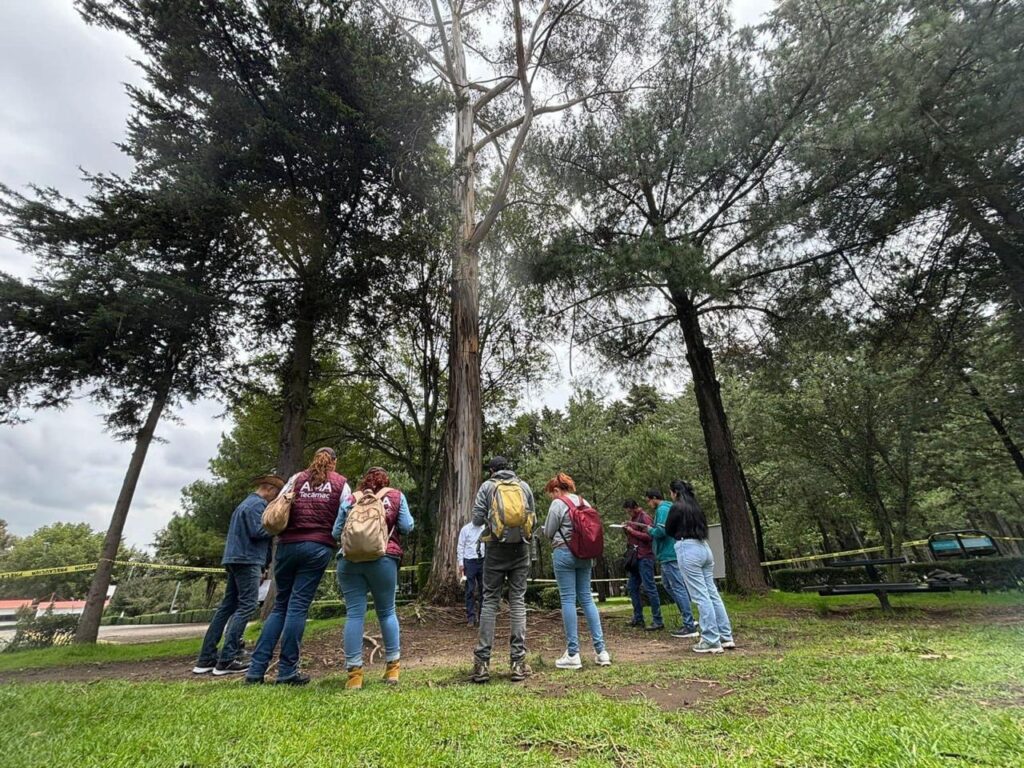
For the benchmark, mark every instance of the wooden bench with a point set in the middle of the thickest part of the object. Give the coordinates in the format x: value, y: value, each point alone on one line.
x: 879, y: 588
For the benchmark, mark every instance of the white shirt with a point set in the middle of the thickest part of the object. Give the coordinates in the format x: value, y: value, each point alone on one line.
x: 468, y: 538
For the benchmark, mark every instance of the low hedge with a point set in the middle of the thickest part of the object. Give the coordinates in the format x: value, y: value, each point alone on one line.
x: 988, y: 573
x: 327, y: 609
x: 196, y: 616
x: 985, y: 573
x: 795, y: 579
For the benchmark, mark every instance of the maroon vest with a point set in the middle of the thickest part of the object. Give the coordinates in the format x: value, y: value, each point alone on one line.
x: 392, y: 503
x: 314, y: 510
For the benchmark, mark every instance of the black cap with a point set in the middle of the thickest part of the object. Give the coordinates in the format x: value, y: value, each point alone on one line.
x: 497, y: 463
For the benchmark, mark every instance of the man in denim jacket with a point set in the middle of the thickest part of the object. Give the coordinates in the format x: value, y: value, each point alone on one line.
x: 246, y: 554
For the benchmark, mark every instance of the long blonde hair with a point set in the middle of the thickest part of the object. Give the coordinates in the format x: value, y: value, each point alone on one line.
x: 323, y: 463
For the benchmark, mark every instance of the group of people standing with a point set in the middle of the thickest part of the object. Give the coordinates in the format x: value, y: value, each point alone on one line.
x: 495, y: 550
x: 676, y: 537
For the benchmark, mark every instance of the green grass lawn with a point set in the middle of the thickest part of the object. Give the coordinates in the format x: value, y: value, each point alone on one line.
x: 71, y: 655
x: 941, y: 683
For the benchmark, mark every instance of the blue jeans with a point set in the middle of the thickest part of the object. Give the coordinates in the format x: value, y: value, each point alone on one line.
x: 698, y: 565
x: 300, y: 566
x: 573, y: 577
x: 474, y: 570
x: 643, y: 579
x: 236, y: 608
x: 380, y: 578
x: 675, y: 585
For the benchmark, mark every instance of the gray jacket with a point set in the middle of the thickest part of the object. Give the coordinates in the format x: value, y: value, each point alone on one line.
x: 482, y: 505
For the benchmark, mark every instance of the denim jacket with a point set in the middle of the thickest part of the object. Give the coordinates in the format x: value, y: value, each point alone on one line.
x: 248, y: 543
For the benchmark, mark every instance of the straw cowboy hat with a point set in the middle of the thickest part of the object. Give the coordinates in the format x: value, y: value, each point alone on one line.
x: 274, y: 480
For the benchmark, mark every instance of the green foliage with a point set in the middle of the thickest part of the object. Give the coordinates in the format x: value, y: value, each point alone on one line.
x: 34, y: 631
x: 796, y: 579
x: 327, y: 609
x: 989, y: 573
x: 549, y: 598
x: 195, y: 616
x: 49, y: 547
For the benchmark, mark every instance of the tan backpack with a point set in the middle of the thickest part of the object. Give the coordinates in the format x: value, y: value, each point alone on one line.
x: 277, y: 512
x: 365, y: 535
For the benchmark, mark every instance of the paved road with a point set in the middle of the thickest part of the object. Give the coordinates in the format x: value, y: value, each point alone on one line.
x: 141, y: 633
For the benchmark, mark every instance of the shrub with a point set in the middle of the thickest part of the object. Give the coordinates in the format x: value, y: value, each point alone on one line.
x: 327, y: 609
x: 996, y: 573
x: 34, y: 631
x: 796, y: 579
x: 195, y: 616
x: 533, y: 593
x: 549, y: 598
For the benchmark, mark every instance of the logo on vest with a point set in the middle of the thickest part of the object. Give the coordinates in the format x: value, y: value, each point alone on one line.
x: 321, y: 492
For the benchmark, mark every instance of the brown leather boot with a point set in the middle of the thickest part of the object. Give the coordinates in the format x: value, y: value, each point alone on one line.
x: 391, y: 673
x: 355, y: 679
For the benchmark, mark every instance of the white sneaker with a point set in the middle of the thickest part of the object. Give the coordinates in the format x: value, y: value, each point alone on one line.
x: 730, y: 643
x: 202, y: 670
x: 603, y: 659
x: 565, y: 661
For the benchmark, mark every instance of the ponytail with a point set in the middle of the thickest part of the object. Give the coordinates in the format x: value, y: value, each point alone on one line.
x: 560, y: 484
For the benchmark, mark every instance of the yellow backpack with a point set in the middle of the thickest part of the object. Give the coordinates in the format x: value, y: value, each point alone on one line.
x: 510, y: 520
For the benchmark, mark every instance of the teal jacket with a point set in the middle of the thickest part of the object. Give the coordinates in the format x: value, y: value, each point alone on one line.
x: 664, y: 545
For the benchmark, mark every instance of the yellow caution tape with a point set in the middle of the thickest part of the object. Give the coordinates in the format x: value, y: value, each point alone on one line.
x: 828, y: 555
x: 47, y: 571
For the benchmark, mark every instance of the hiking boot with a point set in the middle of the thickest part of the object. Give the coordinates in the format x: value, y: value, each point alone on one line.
x: 685, y: 633
x: 391, y: 673
x: 481, y: 673
x: 355, y: 679
x: 705, y: 647
x: 654, y: 627
x: 638, y: 623
x: 202, y: 667
x: 296, y: 679
x: 567, y: 661
x: 603, y: 659
x: 520, y: 671
x: 230, y: 667
x: 730, y: 644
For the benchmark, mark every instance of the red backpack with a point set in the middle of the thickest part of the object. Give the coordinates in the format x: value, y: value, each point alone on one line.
x: 587, y: 539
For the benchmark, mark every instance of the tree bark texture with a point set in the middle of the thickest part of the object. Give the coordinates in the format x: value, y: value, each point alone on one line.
x: 997, y: 424
x: 743, y: 566
x: 297, y: 396
x: 296, y: 391
x: 463, y: 423
x: 89, y: 625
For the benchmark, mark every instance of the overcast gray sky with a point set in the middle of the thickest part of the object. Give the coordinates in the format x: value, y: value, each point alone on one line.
x: 63, y: 106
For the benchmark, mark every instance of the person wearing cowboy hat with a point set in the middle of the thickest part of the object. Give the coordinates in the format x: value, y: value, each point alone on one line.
x: 246, y: 554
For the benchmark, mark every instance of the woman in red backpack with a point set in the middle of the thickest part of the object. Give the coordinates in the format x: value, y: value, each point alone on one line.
x: 572, y: 573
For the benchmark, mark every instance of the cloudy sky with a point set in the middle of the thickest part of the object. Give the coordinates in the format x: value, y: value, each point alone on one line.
x: 63, y: 107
